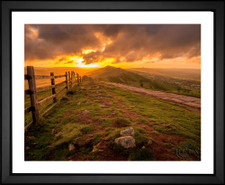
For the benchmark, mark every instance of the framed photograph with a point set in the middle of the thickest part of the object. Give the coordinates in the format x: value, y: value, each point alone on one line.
x: 112, y: 92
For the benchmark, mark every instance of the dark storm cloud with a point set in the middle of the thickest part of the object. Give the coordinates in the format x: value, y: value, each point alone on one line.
x: 168, y: 40
x: 132, y: 42
x: 55, y: 40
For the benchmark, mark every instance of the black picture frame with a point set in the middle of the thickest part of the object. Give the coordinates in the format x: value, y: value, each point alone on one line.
x: 6, y: 91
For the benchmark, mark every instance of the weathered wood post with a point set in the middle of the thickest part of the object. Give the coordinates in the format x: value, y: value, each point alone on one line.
x: 66, y: 83
x: 69, y: 79
x: 78, y: 81
x: 53, y: 85
x: 33, y: 93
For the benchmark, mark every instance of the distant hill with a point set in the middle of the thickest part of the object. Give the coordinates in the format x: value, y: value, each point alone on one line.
x: 184, y: 74
x: 147, y: 80
x: 118, y: 75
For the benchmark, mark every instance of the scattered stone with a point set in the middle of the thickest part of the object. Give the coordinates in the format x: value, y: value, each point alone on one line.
x: 30, y: 137
x: 127, y: 132
x: 110, y: 103
x: 71, y: 147
x: 53, y: 130
x: 97, y: 148
x: 149, y: 142
x: 126, y: 142
x: 114, y: 114
x: 85, y: 112
x: 143, y: 147
x: 102, y: 105
x: 78, y: 103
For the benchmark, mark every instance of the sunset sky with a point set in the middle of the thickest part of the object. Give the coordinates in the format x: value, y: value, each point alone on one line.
x: 126, y: 46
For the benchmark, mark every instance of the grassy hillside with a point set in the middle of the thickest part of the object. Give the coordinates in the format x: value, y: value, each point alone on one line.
x: 117, y: 75
x: 92, y: 116
x: 182, y: 74
x: 147, y: 80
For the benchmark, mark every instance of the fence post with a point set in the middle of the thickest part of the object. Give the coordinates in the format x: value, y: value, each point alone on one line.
x: 66, y: 83
x: 53, y: 83
x: 33, y: 93
x: 78, y: 79
x: 69, y: 79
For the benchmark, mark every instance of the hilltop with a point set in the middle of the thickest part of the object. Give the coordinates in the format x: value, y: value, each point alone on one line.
x: 162, y: 80
x: 118, y: 75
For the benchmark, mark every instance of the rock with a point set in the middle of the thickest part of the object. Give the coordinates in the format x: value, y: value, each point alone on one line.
x: 149, y: 142
x: 27, y: 147
x: 102, y: 105
x: 97, y: 148
x: 127, y: 132
x: 78, y: 103
x: 110, y: 103
x: 53, y: 131
x: 143, y: 147
x: 126, y: 142
x: 30, y: 137
x: 85, y: 112
x: 71, y: 147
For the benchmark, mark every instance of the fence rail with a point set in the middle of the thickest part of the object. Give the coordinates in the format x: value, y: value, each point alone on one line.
x: 70, y: 80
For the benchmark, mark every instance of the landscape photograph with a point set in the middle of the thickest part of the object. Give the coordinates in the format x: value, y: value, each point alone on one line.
x: 112, y: 92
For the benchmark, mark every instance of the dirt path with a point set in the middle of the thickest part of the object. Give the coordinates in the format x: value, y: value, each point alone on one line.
x: 192, y: 103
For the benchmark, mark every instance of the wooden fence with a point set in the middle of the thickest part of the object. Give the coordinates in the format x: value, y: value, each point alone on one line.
x: 70, y: 80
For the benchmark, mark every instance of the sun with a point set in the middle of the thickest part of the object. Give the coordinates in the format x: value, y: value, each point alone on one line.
x: 78, y: 62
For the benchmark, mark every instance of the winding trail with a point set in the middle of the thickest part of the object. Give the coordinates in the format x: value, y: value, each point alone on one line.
x: 192, y: 103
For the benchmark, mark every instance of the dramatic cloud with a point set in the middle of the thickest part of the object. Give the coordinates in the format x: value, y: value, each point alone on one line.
x: 123, y: 43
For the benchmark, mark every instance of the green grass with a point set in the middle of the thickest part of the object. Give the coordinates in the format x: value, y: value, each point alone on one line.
x: 40, y: 96
x: 189, y: 147
x: 167, y: 117
x: 120, y: 122
x: 80, y: 118
x: 140, y: 120
x: 149, y: 80
x: 143, y: 154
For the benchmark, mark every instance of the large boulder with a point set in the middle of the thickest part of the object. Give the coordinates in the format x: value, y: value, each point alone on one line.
x: 127, y: 132
x: 126, y: 142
